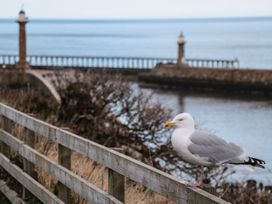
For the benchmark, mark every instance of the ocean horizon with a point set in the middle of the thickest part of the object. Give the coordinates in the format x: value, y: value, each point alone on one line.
x: 238, y: 18
x: 246, y: 122
x: 245, y: 38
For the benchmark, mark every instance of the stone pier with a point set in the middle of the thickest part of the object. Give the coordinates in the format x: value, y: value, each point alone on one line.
x: 223, y: 79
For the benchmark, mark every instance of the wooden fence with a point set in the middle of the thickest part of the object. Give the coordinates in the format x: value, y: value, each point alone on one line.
x: 119, y: 166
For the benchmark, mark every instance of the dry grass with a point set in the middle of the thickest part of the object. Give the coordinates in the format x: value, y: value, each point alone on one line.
x: 82, y: 166
x: 95, y: 174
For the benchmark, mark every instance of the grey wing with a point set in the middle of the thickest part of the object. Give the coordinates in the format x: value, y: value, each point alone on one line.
x: 213, y: 148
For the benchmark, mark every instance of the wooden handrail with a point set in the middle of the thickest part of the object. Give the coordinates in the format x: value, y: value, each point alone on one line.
x: 27, y: 181
x: 154, y: 179
x: 68, y: 178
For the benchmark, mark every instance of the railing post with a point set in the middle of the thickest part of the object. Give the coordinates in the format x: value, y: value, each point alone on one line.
x: 232, y: 65
x: 84, y: 63
x: 64, y: 159
x: 116, y: 184
x: 33, y: 60
x: 29, y: 139
x: 61, y: 62
x: 128, y: 62
x: 120, y: 64
x: 4, y: 148
x: 6, y: 125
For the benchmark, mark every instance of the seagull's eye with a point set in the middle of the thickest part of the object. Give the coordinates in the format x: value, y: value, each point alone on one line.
x: 180, y: 119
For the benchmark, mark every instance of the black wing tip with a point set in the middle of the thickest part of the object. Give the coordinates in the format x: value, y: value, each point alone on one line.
x: 255, y: 162
x: 261, y: 166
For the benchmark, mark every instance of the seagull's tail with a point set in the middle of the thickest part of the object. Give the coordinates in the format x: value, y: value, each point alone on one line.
x: 254, y: 162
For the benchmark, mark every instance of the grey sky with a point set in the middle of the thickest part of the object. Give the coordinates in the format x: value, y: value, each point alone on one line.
x: 136, y: 8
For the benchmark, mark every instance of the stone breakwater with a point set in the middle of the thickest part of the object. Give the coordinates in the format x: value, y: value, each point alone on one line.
x: 239, y: 80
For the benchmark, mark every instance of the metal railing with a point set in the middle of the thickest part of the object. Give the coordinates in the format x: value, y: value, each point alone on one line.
x: 114, y: 62
x: 8, y: 59
x: 88, y: 61
x: 213, y: 63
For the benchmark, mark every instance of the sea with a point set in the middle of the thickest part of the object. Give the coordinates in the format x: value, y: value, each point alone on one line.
x: 245, y: 120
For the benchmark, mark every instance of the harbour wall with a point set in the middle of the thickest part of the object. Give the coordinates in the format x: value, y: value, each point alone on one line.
x: 223, y: 79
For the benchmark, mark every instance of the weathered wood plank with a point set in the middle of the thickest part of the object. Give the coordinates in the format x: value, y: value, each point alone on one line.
x: 2, y: 144
x: 116, y: 182
x: 68, y: 178
x: 158, y: 181
x: 116, y: 185
x: 29, y: 139
x: 36, y: 188
x: 64, y: 159
x: 11, y: 195
x: 6, y: 125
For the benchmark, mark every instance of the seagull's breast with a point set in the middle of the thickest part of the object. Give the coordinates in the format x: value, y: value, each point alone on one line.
x: 180, y: 141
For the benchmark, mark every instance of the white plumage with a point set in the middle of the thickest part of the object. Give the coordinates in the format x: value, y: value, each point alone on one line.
x: 203, y: 148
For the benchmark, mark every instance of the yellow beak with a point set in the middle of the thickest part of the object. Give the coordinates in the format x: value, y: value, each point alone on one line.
x: 169, y: 124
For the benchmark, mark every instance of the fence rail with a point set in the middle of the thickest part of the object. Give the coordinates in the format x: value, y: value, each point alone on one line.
x: 155, y: 180
x: 113, y: 62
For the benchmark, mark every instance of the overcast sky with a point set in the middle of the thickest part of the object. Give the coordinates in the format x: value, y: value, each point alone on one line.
x: 89, y: 9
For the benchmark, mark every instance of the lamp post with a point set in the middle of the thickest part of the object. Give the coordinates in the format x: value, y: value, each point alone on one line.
x: 22, y: 21
x: 181, y: 50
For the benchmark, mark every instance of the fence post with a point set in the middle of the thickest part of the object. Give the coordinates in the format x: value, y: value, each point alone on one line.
x: 116, y: 184
x: 6, y: 125
x: 29, y: 139
x: 64, y: 159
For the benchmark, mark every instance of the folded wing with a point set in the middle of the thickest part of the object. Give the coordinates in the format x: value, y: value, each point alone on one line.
x: 214, y: 149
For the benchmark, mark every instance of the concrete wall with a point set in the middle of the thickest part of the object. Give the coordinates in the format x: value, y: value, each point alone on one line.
x: 248, y: 80
x: 220, y: 74
x: 18, y: 79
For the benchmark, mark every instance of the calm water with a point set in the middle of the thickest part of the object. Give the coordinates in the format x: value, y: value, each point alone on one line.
x: 248, y: 40
x: 244, y: 121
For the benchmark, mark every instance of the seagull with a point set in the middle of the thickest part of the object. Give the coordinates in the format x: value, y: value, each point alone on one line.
x: 206, y: 149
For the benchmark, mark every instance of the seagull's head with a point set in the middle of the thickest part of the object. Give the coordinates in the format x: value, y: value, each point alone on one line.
x: 184, y: 120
